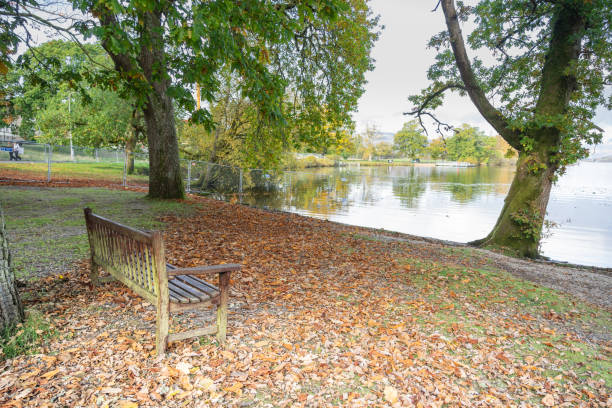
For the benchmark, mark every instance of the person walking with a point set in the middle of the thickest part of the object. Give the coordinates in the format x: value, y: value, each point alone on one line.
x: 17, y: 150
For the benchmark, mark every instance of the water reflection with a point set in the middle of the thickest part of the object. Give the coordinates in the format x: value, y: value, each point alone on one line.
x: 458, y: 204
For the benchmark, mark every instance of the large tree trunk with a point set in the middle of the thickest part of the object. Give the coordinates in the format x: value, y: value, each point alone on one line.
x: 519, y: 225
x: 11, y: 310
x: 165, y: 179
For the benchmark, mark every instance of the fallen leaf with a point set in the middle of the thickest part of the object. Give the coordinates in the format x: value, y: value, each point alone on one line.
x: 50, y: 374
x: 236, y: 388
x: 548, y: 400
x: 391, y: 394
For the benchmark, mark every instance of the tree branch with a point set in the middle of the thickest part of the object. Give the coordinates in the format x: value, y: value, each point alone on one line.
x: 477, y: 95
x: 419, y: 111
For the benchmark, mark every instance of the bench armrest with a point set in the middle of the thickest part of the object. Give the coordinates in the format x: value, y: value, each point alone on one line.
x: 204, y: 269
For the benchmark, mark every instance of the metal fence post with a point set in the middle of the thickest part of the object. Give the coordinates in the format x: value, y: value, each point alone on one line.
x: 240, y: 187
x: 189, y: 176
x: 125, y: 159
x: 48, y: 149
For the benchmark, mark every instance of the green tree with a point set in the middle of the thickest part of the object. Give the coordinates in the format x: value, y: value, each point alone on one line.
x: 471, y: 145
x: 550, y: 62
x: 410, y: 140
x: 162, y: 48
x: 383, y: 150
x: 437, y: 149
x: 54, y: 107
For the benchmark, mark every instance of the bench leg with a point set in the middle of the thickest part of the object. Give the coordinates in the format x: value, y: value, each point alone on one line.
x: 161, y: 330
x: 224, y: 278
x: 94, y: 273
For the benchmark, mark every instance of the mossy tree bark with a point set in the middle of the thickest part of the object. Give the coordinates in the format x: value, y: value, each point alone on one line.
x: 11, y: 309
x: 520, y: 223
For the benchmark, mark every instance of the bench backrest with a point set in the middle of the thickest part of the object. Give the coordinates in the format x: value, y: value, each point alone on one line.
x: 134, y: 257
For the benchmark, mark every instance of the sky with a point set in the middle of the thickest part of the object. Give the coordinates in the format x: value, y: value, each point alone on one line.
x: 401, y: 67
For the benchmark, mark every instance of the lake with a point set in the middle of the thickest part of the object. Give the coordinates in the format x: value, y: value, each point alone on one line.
x: 456, y: 204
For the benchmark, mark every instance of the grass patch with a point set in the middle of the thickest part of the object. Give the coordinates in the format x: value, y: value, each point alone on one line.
x: 87, y: 170
x: 487, y: 302
x: 47, y: 229
x: 26, y: 337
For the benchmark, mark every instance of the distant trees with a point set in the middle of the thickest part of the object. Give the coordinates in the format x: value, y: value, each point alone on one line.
x: 410, y: 141
x: 469, y: 144
x: 54, y: 107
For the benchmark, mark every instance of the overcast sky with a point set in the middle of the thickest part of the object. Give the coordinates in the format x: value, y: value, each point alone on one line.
x: 401, y: 67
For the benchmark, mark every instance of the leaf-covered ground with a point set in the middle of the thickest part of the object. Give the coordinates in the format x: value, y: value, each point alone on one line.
x: 321, y: 315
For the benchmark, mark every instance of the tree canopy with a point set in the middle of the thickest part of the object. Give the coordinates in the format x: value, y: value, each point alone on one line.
x: 410, y: 140
x: 315, y: 51
x: 51, y: 106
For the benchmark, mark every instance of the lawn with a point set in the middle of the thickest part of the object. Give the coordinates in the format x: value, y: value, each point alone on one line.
x: 112, y: 172
x: 322, y: 314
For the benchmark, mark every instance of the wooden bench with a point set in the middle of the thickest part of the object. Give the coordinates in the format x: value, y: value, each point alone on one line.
x: 136, y: 258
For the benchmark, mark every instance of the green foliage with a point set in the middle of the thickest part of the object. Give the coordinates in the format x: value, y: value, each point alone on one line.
x: 437, y: 149
x: 282, y: 57
x: 52, y: 105
x: 410, y: 140
x: 529, y: 221
x: 469, y: 144
x: 345, y: 143
x: 383, y: 150
x: 519, y: 37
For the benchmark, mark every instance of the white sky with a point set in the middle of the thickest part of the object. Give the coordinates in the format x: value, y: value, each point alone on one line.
x: 401, y: 65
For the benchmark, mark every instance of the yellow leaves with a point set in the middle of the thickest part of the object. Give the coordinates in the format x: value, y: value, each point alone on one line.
x: 185, y: 383
x: 236, y: 388
x: 127, y: 404
x: 50, y: 374
x: 29, y: 374
x: 391, y: 394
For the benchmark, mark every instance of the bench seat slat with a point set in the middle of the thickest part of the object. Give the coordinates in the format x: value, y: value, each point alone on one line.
x: 179, y: 294
x: 199, y: 284
x: 194, y: 294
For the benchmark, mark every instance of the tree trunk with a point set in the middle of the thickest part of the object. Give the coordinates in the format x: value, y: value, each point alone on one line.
x: 11, y: 310
x: 165, y: 179
x: 130, y: 144
x: 520, y: 223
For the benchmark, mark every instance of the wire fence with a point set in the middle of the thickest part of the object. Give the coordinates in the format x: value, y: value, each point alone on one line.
x: 66, y: 164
